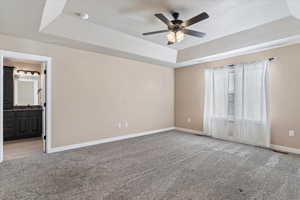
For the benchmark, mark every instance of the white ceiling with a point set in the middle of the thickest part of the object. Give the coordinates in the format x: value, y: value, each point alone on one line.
x: 137, y: 16
x: 115, y: 26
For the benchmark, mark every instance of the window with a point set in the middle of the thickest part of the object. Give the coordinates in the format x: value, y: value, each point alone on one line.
x: 237, y: 94
x: 231, y: 95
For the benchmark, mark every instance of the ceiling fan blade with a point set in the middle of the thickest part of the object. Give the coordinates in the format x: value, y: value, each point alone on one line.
x: 194, y: 33
x: 196, y: 19
x: 164, y: 19
x: 156, y: 32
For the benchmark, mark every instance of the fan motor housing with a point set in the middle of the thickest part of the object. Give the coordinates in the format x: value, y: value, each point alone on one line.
x: 177, y: 22
x: 175, y: 15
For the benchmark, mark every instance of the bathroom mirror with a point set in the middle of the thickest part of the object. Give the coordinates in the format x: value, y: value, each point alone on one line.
x: 26, y: 90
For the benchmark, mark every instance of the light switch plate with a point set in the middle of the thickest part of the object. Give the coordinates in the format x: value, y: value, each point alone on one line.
x: 189, y: 120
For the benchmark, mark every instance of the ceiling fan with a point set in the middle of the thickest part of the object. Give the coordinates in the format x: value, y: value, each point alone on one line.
x: 177, y: 28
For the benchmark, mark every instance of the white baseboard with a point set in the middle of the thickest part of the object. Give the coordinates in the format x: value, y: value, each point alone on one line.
x: 106, y: 140
x: 274, y: 147
x: 113, y: 139
x: 189, y: 131
x: 285, y: 149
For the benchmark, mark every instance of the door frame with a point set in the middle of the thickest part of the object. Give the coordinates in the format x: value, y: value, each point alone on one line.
x: 47, y: 122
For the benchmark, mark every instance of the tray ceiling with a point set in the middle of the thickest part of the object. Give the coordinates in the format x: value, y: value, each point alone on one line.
x: 115, y: 26
x: 134, y: 17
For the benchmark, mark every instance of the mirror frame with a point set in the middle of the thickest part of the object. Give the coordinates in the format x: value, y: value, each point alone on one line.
x: 35, y: 81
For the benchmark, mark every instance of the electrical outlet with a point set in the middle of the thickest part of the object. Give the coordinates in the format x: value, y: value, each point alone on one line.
x: 291, y: 133
x: 189, y: 120
x: 230, y: 134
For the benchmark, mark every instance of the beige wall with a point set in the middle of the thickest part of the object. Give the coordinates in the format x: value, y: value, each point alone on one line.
x: 284, y: 93
x: 92, y: 92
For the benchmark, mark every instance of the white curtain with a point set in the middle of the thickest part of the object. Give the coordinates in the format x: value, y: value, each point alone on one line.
x: 236, y: 106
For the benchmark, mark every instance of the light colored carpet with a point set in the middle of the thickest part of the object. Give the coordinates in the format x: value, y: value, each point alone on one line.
x: 171, y: 165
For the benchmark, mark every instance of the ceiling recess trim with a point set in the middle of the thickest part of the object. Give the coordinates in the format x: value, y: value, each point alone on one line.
x: 52, y: 10
x: 243, y: 51
x: 101, y: 39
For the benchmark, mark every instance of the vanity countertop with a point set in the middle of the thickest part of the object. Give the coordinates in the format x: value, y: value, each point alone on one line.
x: 24, y: 108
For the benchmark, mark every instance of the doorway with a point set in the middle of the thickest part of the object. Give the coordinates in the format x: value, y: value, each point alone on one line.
x: 25, y: 118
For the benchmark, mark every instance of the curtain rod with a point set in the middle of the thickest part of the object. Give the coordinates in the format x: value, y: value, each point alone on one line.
x: 270, y: 59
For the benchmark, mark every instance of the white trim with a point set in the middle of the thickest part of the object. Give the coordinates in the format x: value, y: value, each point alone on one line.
x: 285, y: 149
x: 1, y: 108
x: 25, y: 56
x: 107, y: 140
x: 189, y: 131
x: 273, y: 146
x: 48, y: 101
x: 35, y: 90
x: 42, y: 99
x: 47, y: 60
x: 242, y: 51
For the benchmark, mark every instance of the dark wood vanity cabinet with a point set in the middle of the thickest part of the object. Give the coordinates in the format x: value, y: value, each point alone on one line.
x: 9, y: 132
x: 22, y: 123
x: 8, y: 90
x: 28, y: 123
x: 18, y: 121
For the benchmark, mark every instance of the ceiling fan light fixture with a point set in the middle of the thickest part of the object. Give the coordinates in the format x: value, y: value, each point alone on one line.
x: 171, y: 37
x: 177, y: 28
x: 179, y: 36
x: 175, y: 37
